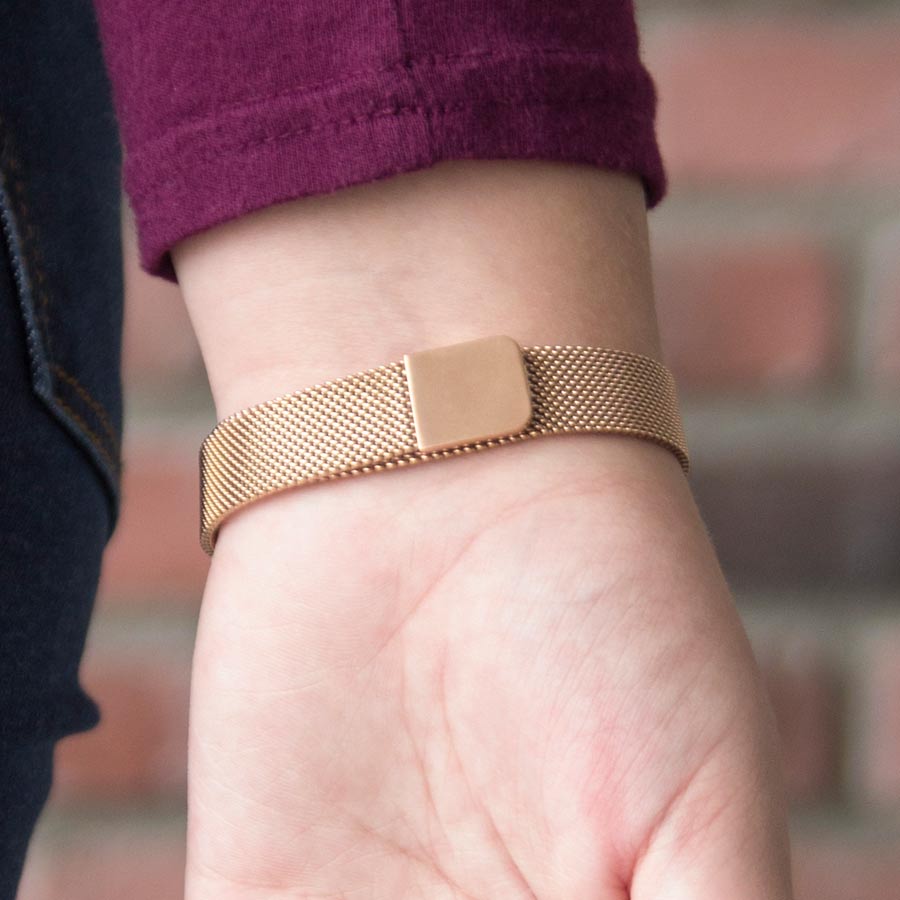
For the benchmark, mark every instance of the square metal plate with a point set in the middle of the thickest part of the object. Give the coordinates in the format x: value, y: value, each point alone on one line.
x: 469, y: 392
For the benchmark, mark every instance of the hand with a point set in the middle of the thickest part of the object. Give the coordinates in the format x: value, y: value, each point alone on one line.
x: 516, y: 674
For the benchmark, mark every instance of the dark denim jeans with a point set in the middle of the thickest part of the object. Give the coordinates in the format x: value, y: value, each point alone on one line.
x: 60, y: 388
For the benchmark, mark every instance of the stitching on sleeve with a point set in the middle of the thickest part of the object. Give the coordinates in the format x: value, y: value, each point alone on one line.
x: 427, y: 59
x: 154, y: 189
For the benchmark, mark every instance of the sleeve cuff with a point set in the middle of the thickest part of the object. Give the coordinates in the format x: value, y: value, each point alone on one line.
x: 568, y: 106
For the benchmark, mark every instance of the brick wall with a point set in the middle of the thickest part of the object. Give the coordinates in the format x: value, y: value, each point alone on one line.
x: 778, y: 278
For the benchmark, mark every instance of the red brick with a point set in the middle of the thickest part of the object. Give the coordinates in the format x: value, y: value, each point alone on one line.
x: 96, y: 864
x: 755, y: 312
x: 822, y: 520
x: 804, y: 695
x: 139, y: 749
x: 881, y: 350
x: 845, y: 867
x: 777, y: 99
x: 878, y: 774
x: 155, y: 550
x: 159, y: 344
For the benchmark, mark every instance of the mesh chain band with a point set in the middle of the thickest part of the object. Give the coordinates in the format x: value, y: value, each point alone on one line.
x: 366, y: 423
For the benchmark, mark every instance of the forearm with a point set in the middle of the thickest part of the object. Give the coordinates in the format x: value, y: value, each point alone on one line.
x: 321, y: 287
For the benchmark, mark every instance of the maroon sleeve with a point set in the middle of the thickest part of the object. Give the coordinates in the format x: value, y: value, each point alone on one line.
x: 225, y: 107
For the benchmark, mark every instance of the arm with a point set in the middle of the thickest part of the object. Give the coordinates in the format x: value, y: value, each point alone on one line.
x: 519, y: 673
x: 515, y: 674
x: 228, y: 107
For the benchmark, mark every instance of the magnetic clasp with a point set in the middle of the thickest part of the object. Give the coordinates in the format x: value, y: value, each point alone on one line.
x: 467, y: 393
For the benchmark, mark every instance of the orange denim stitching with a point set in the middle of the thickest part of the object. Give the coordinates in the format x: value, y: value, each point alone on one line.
x: 30, y: 248
x: 28, y: 238
x: 85, y: 395
x: 94, y: 437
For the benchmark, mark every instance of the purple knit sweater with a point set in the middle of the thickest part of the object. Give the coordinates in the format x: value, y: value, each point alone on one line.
x: 226, y: 107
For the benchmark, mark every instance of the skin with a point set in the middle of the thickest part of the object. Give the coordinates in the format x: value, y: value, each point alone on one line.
x: 519, y: 674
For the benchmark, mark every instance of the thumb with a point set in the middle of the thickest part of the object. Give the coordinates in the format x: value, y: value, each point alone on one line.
x: 724, y: 836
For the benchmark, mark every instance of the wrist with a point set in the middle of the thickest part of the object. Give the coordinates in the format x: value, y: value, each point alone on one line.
x: 620, y: 477
x: 318, y: 288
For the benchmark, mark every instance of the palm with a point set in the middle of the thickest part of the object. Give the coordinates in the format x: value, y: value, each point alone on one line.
x: 478, y: 679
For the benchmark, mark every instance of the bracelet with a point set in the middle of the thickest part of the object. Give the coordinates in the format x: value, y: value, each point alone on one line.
x: 434, y: 404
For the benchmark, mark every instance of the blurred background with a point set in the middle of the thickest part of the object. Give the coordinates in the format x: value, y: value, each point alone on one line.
x: 777, y: 257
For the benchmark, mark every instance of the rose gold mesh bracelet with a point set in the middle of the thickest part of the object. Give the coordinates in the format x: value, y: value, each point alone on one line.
x: 432, y: 405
